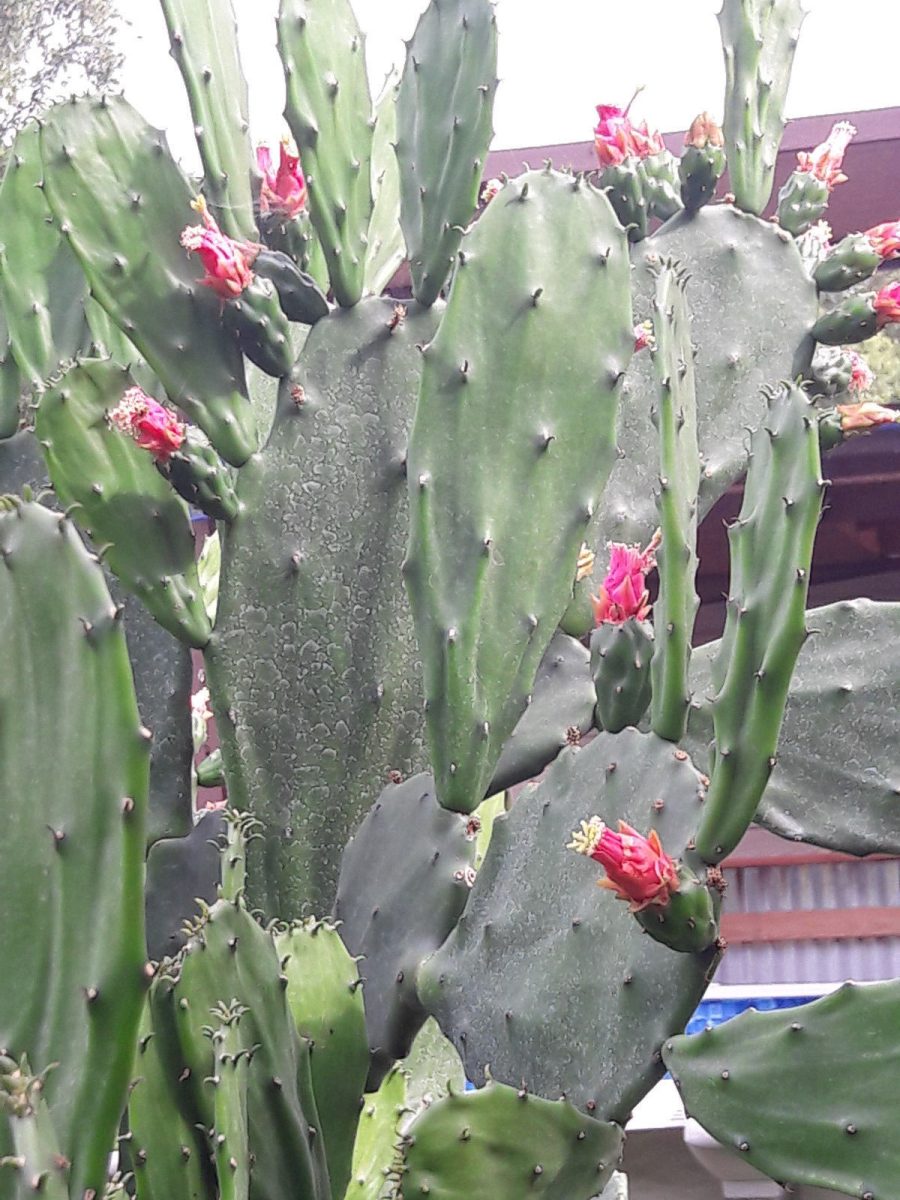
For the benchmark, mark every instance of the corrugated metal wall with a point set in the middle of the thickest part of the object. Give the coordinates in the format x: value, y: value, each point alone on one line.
x: 813, y: 886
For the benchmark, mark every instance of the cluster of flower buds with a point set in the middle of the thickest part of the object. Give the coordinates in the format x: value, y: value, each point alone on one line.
x: 623, y: 593
x: 153, y: 426
x: 226, y: 262
x: 283, y: 187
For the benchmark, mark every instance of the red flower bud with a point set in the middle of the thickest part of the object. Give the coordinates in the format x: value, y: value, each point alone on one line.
x: 283, y: 189
x: 226, y: 262
x: 623, y: 593
x: 637, y: 868
x: 704, y: 132
x: 856, y: 418
x: 150, y: 424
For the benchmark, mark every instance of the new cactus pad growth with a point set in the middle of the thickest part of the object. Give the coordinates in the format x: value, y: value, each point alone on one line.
x: 458, y: 541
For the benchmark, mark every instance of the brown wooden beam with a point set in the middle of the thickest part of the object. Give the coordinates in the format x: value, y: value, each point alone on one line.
x: 810, y: 925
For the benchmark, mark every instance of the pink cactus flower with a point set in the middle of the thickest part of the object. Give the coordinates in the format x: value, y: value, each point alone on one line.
x: 861, y: 375
x: 856, y: 418
x: 150, y: 424
x: 825, y: 161
x: 623, y: 593
x: 226, y: 262
x: 887, y: 305
x: 637, y: 868
x: 617, y: 137
x: 283, y: 189
x: 885, y: 239
x: 643, y: 337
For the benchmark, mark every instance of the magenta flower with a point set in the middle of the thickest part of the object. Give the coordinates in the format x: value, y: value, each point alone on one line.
x: 153, y: 426
x: 226, y: 262
x: 637, y: 868
x: 623, y: 593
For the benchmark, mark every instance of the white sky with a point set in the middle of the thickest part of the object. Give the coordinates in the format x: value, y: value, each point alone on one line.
x: 558, y: 58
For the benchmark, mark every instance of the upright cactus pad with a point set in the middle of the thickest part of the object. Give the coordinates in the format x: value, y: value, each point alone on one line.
x: 578, y: 1003
x: 203, y: 40
x: 74, y: 763
x: 386, y: 251
x: 675, y: 416
x: 512, y: 443
x: 329, y: 110
x: 771, y: 546
x: 758, y: 39
x: 313, y: 666
x: 122, y: 202
x: 444, y: 129
x: 395, y: 913
x: 808, y: 1095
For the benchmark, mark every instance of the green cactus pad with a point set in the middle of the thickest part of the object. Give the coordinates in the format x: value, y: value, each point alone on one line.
x: 260, y: 327
x: 395, y: 911
x: 73, y: 775
x: 560, y: 711
x: 852, y: 261
x: 700, y: 169
x: 578, y: 1003
x: 621, y: 655
x: 502, y: 1142
x: 433, y: 1068
x: 809, y: 1095
x: 675, y: 417
x: 22, y: 465
x: 748, y: 330
x: 231, y: 956
x: 758, y: 39
x: 801, y: 202
x: 853, y: 320
x: 122, y: 500
x: 444, y: 130
x: 180, y: 872
x: 233, y: 1052
x: 771, y: 545
x: 12, y: 385
x: 511, y: 446
x: 374, y: 1152
x: 169, y: 1156
x: 42, y: 285
x: 659, y: 183
x: 200, y: 477
x: 324, y: 995
x: 624, y: 187
x: 386, y: 250
x: 329, y: 111
x: 203, y: 41
x: 122, y: 202
x: 834, y: 783
x: 313, y: 666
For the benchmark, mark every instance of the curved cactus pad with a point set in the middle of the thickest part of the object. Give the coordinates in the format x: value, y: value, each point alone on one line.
x: 834, y: 784
x: 313, y: 657
x: 504, y: 1143
x: 444, y: 129
x: 122, y: 500
x: 324, y: 995
x: 752, y: 306
x: 123, y: 202
x: 578, y: 1004
x: 183, y: 873
x: 810, y: 1095
x: 560, y: 711
x: 395, y: 909
x: 73, y: 777
x: 510, y: 449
